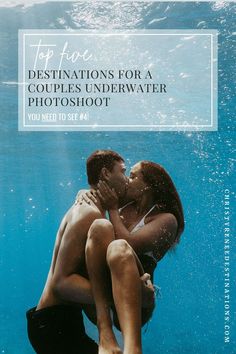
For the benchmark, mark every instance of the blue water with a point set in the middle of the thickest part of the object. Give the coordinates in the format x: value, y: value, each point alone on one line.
x: 40, y: 173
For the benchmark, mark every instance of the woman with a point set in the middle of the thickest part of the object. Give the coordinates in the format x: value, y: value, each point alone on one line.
x: 118, y: 253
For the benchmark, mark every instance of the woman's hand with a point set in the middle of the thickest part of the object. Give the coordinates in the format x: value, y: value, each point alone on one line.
x: 148, y: 291
x: 107, y: 195
x: 86, y: 196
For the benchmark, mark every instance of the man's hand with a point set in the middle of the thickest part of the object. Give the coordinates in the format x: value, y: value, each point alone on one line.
x: 148, y: 291
x: 86, y: 196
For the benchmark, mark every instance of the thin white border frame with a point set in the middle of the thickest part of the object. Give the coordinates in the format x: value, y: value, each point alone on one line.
x: 113, y: 1
x: 213, y: 124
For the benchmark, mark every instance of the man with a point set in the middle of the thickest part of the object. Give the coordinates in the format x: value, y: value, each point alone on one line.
x: 56, y: 326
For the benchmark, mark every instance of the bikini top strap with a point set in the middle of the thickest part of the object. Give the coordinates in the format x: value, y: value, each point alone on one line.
x: 125, y: 206
x: 152, y: 208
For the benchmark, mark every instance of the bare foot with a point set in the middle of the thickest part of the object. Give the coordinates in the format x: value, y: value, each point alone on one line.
x: 108, y: 344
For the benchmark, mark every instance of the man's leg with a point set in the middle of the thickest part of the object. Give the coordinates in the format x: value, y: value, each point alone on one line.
x: 100, y: 235
x: 126, y: 288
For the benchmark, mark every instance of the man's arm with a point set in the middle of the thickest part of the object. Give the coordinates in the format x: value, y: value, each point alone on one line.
x: 68, y: 284
x: 74, y: 288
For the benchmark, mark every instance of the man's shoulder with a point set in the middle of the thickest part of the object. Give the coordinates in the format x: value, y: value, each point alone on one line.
x: 85, y: 212
x: 79, y: 221
x: 93, y: 211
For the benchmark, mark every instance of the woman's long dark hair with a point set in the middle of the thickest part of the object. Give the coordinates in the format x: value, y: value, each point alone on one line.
x: 165, y: 193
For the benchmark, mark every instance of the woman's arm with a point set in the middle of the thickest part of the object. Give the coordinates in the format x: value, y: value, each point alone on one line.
x: 158, y: 235
x: 120, y: 230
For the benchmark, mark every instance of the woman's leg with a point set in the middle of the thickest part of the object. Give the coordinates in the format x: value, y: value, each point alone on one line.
x: 100, y: 235
x: 107, y: 258
x: 126, y: 287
